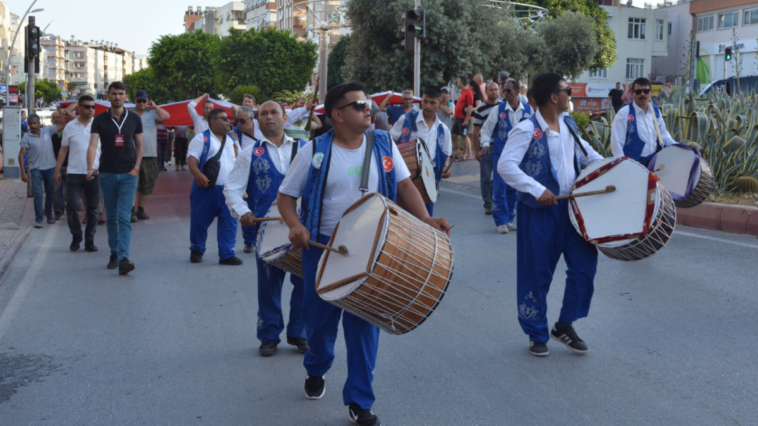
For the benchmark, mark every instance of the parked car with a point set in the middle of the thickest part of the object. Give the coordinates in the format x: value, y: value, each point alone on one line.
x: 747, y: 84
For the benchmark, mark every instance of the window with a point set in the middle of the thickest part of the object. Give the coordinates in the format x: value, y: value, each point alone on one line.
x: 635, y: 68
x: 238, y: 16
x: 751, y: 17
x: 637, y: 28
x: 659, y: 30
x: 728, y: 20
x: 704, y: 23
x: 601, y: 73
x: 669, y: 28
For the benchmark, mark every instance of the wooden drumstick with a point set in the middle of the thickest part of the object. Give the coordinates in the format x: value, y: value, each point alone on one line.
x: 609, y: 188
x: 663, y: 166
x: 268, y: 219
x: 340, y: 250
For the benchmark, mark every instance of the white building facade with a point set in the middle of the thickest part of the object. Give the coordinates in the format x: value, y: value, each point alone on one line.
x: 260, y: 14
x: 231, y: 15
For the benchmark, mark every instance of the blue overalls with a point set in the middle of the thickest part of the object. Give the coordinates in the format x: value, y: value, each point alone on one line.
x: 322, y: 318
x: 544, y: 234
x: 634, y: 144
x: 409, y: 126
x: 503, y: 196
x: 262, y: 187
x: 207, y: 204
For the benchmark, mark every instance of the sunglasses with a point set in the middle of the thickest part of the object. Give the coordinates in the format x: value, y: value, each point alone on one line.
x: 87, y: 106
x: 141, y: 101
x: 508, y: 90
x: 241, y: 121
x: 360, y: 105
x: 641, y: 91
x: 407, y: 99
x: 567, y: 90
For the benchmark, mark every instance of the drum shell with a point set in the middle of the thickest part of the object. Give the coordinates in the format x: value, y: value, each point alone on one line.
x: 408, y: 151
x: 702, y: 190
x: 290, y: 261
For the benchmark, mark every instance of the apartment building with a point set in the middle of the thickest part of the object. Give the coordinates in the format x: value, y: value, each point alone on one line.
x: 231, y: 15
x: 16, y: 57
x: 53, y: 67
x: 190, y: 17
x: 260, y: 14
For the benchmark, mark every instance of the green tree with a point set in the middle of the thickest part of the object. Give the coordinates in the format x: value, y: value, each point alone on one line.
x: 45, y: 89
x: 274, y: 60
x: 185, y: 62
x: 157, y: 89
x: 336, y: 62
x: 606, y: 54
x: 571, y: 46
x: 239, y: 92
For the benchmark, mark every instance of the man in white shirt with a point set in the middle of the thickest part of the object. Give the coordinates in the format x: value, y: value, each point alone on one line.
x: 201, y: 123
x: 324, y: 174
x: 494, y: 137
x: 259, y: 171
x: 542, y: 159
x: 634, y: 133
x: 75, y: 143
x: 296, y: 115
x: 427, y: 126
x: 207, y: 198
x: 480, y: 115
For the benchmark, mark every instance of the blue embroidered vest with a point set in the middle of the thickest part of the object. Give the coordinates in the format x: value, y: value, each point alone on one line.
x: 264, y: 179
x: 537, y: 164
x: 313, y: 193
x: 409, y: 126
x: 503, y: 127
x: 634, y: 145
x: 204, y: 154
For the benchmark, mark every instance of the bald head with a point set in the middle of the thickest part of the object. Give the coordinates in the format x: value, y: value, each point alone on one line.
x: 478, y: 79
x: 271, y: 119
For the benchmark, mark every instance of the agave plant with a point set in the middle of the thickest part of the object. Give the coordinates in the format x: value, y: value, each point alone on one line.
x: 291, y: 97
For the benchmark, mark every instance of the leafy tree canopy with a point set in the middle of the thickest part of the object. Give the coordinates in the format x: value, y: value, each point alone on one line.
x: 274, y: 60
x: 156, y: 88
x: 336, y: 62
x: 45, y: 89
x: 570, y: 44
x: 185, y: 62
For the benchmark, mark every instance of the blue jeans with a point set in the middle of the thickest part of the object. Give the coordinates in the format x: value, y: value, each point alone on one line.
x: 118, y: 194
x: 485, y: 179
x: 43, y: 185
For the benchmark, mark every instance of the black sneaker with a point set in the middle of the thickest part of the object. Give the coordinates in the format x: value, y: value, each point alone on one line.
x: 141, y: 215
x: 51, y: 220
x: 538, y: 349
x: 113, y: 262
x: 234, y: 260
x: 90, y: 247
x: 196, y: 257
x: 125, y: 266
x: 565, y: 334
x: 267, y: 348
x: 362, y: 417
x: 300, y: 342
x: 249, y: 248
x: 315, y: 387
x: 75, y: 244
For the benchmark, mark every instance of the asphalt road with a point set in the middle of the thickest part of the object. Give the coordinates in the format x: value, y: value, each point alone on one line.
x: 672, y: 338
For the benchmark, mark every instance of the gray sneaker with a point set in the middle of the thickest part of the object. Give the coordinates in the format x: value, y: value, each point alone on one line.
x: 511, y: 226
x: 502, y: 229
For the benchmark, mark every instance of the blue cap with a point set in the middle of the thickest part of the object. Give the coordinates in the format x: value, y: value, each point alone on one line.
x: 141, y: 94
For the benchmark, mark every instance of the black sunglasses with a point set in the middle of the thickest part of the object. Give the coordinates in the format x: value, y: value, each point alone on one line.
x: 567, y: 90
x: 508, y: 90
x: 359, y: 105
x: 641, y: 91
x: 141, y: 101
x: 241, y: 121
x: 87, y: 106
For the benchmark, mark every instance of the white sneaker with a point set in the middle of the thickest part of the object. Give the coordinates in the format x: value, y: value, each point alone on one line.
x: 511, y: 226
x: 502, y: 229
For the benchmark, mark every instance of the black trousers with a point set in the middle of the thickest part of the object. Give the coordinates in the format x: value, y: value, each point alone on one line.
x: 76, y: 185
x: 180, y: 151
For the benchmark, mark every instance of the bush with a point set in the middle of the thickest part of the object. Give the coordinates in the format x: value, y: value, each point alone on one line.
x: 239, y: 93
x: 582, y: 119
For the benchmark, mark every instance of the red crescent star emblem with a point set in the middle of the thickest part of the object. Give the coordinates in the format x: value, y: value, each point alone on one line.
x: 631, y: 118
x: 205, y: 139
x: 502, y: 116
x: 406, y: 131
x: 537, y: 133
x: 258, y: 151
x: 388, y: 164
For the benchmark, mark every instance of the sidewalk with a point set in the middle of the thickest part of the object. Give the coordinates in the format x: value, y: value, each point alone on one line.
x: 16, y: 217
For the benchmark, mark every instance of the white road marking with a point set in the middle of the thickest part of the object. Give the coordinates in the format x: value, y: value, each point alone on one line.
x: 460, y: 193
x: 721, y: 240
x: 26, y: 283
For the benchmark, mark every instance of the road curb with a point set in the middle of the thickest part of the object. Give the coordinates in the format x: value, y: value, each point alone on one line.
x: 720, y: 217
x: 7, y: 260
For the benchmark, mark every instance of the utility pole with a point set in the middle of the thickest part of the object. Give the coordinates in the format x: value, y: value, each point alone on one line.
x: 323, y: 60
x: 413, y: 31
x: 417, y: 60
x: 32, y: 60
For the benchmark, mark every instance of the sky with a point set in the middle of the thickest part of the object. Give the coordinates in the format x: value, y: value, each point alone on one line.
x: 133, y: 24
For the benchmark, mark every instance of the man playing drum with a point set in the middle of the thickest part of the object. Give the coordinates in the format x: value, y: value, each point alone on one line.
x: 634, y: 133
x: 494, y: 136
x: 259, y: 170
x: 324, y: 174
x: 436, y: 136
x: 542, y: 159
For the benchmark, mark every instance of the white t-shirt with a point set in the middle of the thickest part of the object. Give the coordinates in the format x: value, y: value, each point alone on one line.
x: 76, y: 137
x: 343, y: 182
x: 227, y: 157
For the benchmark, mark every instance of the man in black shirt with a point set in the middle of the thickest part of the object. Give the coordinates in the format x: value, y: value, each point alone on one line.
x: 615, y: 96
x: 120, y: 136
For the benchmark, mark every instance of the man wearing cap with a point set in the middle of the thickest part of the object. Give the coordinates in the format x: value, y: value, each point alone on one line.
x: 148, y: 172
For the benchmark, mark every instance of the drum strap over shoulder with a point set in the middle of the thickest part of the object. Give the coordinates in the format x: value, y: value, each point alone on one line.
x: 579, y: 143
x: 367, y: 161
x: 295, y: 144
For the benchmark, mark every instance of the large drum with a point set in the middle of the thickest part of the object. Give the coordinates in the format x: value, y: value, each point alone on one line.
x: 396, y: 271
x: 421, y: 167
x: 274, y: 247
x: 633, y: 222
x: 686, y: 175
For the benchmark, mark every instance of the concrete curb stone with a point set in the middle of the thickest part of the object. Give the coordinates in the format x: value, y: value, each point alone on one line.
x: 720, y: 217
x: 7, y: 260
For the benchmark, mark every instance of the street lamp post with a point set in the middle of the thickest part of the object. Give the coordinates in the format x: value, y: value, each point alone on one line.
x: 13, y: 44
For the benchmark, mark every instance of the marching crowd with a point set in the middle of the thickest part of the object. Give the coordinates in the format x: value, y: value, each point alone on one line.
x: 529, y: 153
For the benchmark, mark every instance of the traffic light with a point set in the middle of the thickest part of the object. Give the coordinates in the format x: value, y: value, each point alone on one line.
x: 33, y: 47
x: 728, y: 54
x: 414, y: 26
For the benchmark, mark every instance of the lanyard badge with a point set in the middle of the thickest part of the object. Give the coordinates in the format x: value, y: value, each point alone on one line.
x: 120, y: 136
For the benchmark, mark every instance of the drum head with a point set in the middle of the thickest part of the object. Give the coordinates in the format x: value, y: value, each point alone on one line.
x: 427, y: 171
x: 678, y: 163
x: 358, y: 230
x: 622, y: 212
x: 273, y: 237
